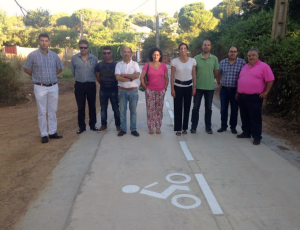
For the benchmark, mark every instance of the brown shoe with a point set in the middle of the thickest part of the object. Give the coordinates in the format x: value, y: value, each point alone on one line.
x: 118, y: 128
x: 102, y: 128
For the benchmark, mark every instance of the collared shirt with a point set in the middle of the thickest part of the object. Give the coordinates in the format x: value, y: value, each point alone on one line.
x: 128, y: 68
x: 84, y: 71
x: 230, y: 72
x: 43, y: 66
x: 205, y: 71
x: 252, y: 80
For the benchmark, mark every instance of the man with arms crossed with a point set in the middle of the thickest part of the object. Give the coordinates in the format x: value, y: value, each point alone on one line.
x: 43, y: 65
x: 127, y: 73
x: 105, y: 72
x: 83, y: 69
x: 229, y: 71
x: 254, y: 83
x: 207, y: 69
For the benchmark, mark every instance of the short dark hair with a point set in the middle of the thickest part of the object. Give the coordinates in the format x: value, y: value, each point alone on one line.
x: 152, y: 51
x: 181, y: 44
x: 234, y: 47
x: 83, y: 41
x: 106, y: 48
x: 253, y: 49
x: 44, y: 36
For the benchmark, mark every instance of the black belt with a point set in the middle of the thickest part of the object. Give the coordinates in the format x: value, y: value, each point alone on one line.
x: 47, y: 85
x: 184, y: 82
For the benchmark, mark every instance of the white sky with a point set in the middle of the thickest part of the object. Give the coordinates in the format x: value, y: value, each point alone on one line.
x: 126, y: 6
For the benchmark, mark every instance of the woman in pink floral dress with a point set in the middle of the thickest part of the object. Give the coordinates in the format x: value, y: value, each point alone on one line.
x: 156, y: 87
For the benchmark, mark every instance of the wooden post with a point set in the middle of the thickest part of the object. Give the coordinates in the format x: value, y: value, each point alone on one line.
x: 280, y: 19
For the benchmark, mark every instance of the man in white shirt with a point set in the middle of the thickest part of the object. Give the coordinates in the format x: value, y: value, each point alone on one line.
x: 127, y: 74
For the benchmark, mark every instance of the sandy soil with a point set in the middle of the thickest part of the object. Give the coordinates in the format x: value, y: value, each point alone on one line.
x: 25, y: 163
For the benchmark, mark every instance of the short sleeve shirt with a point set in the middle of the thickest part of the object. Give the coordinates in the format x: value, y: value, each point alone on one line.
x: 252, y: 80
x: 205, y: 71
x: 156, y: 77
x: 128, y: 68
x: 43, y: 66
x: 183, y: 70
x: 108, y: 81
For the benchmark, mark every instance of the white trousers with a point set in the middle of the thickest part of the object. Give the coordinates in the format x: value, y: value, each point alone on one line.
x: 46, y: 99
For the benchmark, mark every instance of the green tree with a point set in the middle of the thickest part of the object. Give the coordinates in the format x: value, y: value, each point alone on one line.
x: 4, y: 27
x: 115, y: 20
x: 141, y: 19
x: 90, y: 17
x: 60, y: 19
x: 225, y: 9
x: 37, y: 18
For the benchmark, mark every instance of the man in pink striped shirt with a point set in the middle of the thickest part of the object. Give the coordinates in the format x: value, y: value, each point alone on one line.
x: 254, y: 83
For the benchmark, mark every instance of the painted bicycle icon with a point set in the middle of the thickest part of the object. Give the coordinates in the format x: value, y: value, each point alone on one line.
x: 176, y: 185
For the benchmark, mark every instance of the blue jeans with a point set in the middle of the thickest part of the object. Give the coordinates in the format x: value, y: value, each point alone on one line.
x: 208, y: 98
x: 113, y: 97
x: 132, y: 97
x: 250, y: 110
x: 227, y: 95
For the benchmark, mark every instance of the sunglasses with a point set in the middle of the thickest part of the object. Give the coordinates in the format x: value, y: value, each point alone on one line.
x: 104, y: 53
x: 83, y: 48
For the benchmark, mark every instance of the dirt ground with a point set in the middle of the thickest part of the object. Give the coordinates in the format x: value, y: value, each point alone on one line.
x: 26, y: 164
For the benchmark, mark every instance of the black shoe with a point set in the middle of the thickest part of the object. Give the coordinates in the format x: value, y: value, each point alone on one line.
x: 256, y: 142
x: 193, y: 130
x: 55, y: 136
x: 135, y: 133
x: 80, y: 131
x: 121, y: 133
x: 208, y: 131
x: 45, y: 139
x: 242, y: 135
x: 94, y: 128
x: 234, y: 131
x: 220, y: 130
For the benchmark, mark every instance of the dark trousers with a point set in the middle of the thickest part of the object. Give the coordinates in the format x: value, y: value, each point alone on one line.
x: 208, y: 98
x: 113, y: 97
x: 227, y: 95
x: 250, y: 110
x: 183, y: 99
x: 83, y: 92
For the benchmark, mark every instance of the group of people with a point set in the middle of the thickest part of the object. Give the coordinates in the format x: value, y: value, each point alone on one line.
x: 242, y: 85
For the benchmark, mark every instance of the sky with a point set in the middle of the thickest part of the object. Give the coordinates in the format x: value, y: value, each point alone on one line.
x: 126, y: 6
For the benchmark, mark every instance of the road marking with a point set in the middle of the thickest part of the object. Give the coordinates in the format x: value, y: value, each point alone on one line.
x: 167, y: 104
x: 212, y: 201
x: 171, y: 113
x: 186, y: 151
x: 195, y: 205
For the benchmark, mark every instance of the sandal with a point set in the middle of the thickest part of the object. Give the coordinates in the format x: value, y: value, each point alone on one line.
x: 184, y: 132
x: 151, y: 131
x: 158, y: 130
x: 178, y: 133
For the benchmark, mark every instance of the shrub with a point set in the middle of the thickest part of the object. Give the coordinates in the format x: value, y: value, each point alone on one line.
x: 11, y: 87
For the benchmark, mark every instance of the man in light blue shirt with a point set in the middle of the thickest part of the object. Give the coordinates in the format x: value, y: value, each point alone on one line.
x: 83, y: 69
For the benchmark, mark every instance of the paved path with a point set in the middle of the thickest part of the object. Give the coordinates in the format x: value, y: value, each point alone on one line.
x: 196, y: 181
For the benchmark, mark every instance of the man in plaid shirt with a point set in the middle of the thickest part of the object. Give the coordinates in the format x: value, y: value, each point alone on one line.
x: 229, y: 70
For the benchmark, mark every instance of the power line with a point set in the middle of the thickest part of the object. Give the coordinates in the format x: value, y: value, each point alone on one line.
x: 21, y: 8
x: 138, y: 7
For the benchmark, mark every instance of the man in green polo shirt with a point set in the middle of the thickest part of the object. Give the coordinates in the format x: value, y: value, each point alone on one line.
x: 207, y: 70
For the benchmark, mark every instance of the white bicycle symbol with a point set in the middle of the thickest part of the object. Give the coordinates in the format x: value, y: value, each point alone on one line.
x: 165, y: 194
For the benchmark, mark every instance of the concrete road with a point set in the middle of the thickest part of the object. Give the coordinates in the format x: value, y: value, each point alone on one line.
x: 196, y: 181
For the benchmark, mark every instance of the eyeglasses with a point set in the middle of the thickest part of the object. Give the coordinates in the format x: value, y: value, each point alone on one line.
x: 83, y: 48
x: 108, y: 53
x: 232, y: 51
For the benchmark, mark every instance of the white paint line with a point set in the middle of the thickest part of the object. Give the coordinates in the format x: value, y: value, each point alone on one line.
x: 150, y: 185
x: 167, y: 104
x: 171, y: 114
x: 213, y: 203
x: 186, y: 151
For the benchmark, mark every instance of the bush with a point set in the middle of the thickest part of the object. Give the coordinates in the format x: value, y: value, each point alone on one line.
x: 11, y: 87
x: 66, y: 73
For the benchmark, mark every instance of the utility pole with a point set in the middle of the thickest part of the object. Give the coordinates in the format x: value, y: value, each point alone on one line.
x: 81, y: 27
x: 157, y: 25
x: 280, y: 19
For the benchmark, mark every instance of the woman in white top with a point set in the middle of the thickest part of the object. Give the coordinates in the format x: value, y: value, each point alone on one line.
x: 183, y: 87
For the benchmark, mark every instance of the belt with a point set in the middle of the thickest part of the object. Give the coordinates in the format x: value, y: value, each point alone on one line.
x: 47, y: 85
x: 127, y: 88
x: 184, y: 82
